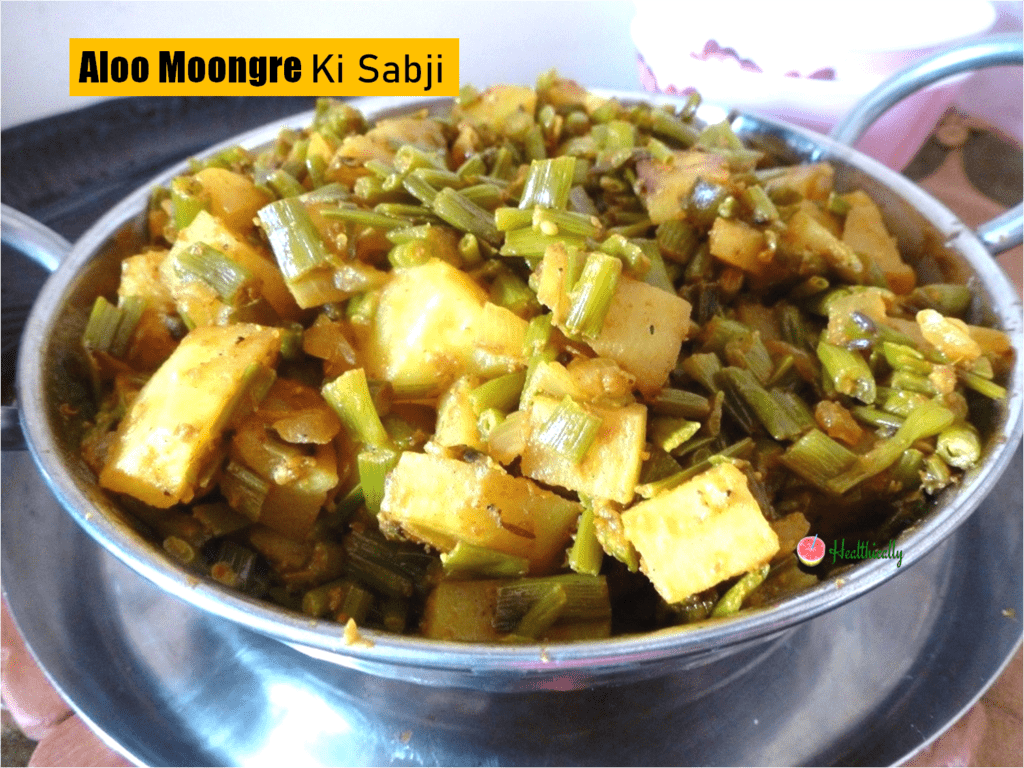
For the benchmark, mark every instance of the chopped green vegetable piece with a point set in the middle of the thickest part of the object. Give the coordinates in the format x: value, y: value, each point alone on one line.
x: 732, y: 600
x: 935, y: 474
x: 927, y: 421
x: 550, y: 221
x: 465, y: 215
x: 244, y: 489
x: 294, y: 239
x: 587, y: 598
x: 374, y: 464
x: 817, y: 458
x: 982, y: 385
x: 362, y: 217
x: 227, y: 277
x: 548, y: 183
x: 349, y: 396
x: 502, y: 393
x: 356, y: 605
x: 949, y: 299
x: 507, y: 219
x: 110, y: 328
x: 591, y: 296
x: 543, y: 613
x: 284, y: 184
x: 959, y: 446
x: 670, y: 126
x: 586, y: 554
x: 680, y: 403
x: 848, y: 371
x: 668, y: 433
x: 571, y: 430
x: 187, y: 200
x: 471, y: 561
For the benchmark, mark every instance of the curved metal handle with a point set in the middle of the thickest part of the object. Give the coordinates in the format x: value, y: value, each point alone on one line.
x: 35, y: 240
x: 46, y: 247
x: 1005, y: 231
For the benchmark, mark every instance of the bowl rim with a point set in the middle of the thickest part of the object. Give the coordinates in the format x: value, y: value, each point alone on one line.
x: 386, y: 653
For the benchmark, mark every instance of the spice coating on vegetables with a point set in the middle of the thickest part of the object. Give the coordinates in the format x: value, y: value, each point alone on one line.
x: 546, y: 366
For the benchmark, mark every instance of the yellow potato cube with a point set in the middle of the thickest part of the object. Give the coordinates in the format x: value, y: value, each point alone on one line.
x: 463, y: 611
x: 643, y: 331
x: 166, y: 442
x: 610, y: 469
x: 700, y: 533
x: 865, y: 232
x: 440, y: 501
x: 433, y: 322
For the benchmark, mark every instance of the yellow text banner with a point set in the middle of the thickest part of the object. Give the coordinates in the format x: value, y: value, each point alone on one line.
x: 264, y: 66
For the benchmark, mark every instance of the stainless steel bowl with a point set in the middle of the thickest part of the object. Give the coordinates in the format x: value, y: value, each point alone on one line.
x: 51, y: 384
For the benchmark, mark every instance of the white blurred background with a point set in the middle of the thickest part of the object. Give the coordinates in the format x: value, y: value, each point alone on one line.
x: 500, y: 41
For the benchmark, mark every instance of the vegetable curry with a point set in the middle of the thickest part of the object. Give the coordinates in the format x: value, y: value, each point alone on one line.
x: 545, y: 367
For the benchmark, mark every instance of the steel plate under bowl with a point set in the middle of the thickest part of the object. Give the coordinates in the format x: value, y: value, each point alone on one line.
x: 50, y: 380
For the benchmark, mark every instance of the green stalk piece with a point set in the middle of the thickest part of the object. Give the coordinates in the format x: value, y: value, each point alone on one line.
x: 681, y: 404
x: 586, y: 554
x: 543, y: 613
x: 669, y: 432
x: 362, y: 217
x: 529, y: 242
x: 677, y: 239
x: 981, y: 385
x: 356, y: 605
x: 959, y: 446
x: 502, y: 393
x: 591, y: 296
x: 551, y: 221
x: 298, y: 248
x: 570, y: 431
x: 879, y: 419
x: 110, y: 328
x: 410, y: 158
x: 487, y: 195
x: 671, y: 127
x: 512, y: 292
x: 927, y: 421
x: 703, y: 368
x: 349, y: 396
x: 763, y: 210
x: 284, y: 184
x: 586, y: 598
x: 244, y: 489
x: 465, y: 215
x: 474, y: 562
x: 227, y: 277
x: 949, y: 299
x: 848, y: 371
x: 548, y: 183
x: 417, y: 185
x: 935, y: 474
x: 784, y: 417
x: 374, y: 464
x: 187, y: 200
x: 368, y: 564
x: 817, y: 458
x: 732, y: 600
x: 507, y: 219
